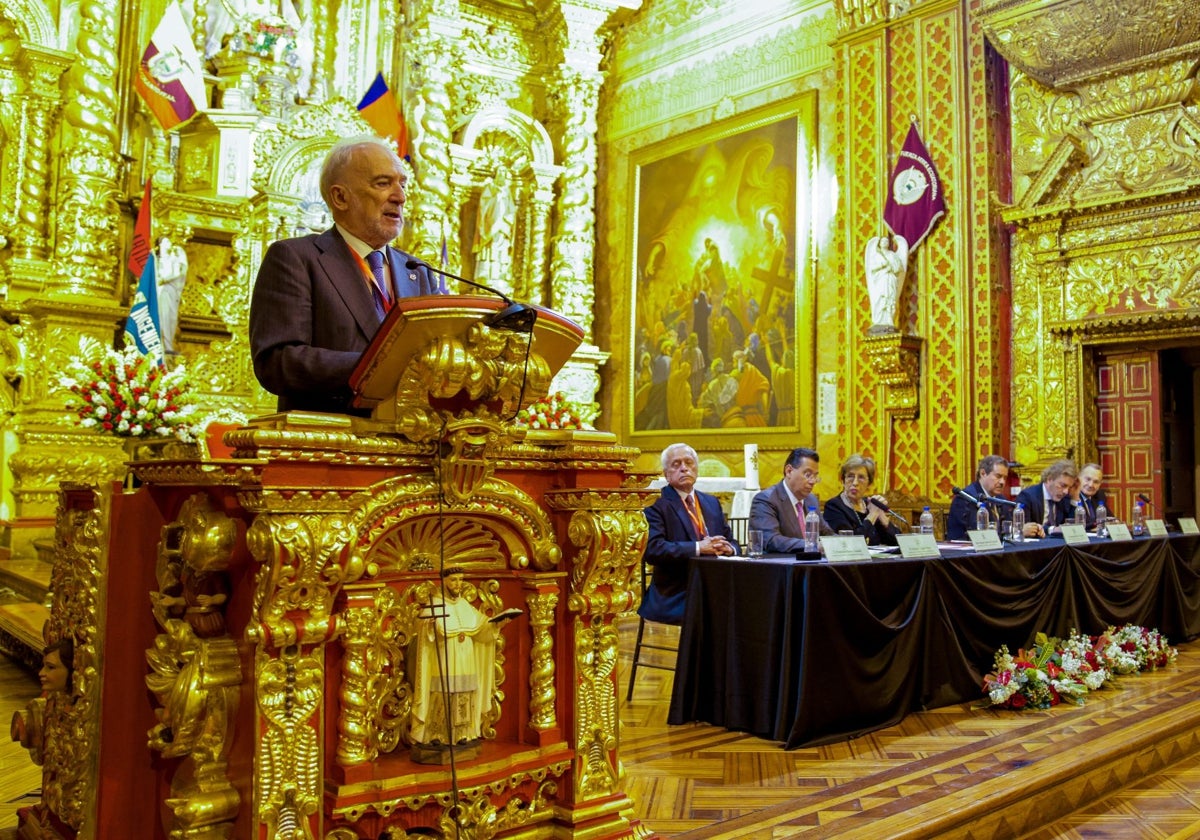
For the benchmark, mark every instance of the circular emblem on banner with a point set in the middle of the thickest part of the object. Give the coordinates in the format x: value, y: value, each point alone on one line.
x: 909, y: 186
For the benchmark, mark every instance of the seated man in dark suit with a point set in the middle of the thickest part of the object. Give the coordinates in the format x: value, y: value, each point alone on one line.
x: 1090, y: 496
x: 779, y: 510
x: 683, y: 523
x: 319, y: 299
x: 1046, y: 503
x: 990, y: 479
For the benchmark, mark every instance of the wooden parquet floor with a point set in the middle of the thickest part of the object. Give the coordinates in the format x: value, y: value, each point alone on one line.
x: 1124, y: 765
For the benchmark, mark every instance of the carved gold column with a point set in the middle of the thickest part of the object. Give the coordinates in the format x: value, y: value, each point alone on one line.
x: 85, y: 247
x: 431, y: 136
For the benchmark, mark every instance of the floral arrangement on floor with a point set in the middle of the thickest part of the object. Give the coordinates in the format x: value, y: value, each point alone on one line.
x: 126, y: 393
x: 554, y: 411
x: 1054, y: 670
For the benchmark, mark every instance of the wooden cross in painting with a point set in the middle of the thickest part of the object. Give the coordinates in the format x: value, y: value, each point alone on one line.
x: 779, y: 276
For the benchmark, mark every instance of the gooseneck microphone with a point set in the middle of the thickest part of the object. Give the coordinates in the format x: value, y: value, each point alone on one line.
x: 1142, y: 497
x: 958, y: 491
x: 883, y: 506
x: 518, y: 317
x: 1000, y: 500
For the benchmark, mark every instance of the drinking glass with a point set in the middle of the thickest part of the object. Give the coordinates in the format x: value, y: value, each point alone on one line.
x: 756, y: 544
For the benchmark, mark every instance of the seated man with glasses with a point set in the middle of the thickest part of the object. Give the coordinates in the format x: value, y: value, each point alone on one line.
x: 779, y: 510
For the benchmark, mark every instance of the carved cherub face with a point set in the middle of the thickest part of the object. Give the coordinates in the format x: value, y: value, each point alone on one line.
x: 54, y: 674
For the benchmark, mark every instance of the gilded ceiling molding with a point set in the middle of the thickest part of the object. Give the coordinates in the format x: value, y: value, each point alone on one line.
x: 1063, y: 43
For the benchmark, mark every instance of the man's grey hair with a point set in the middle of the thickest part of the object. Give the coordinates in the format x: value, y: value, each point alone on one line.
x: 666, y: 454
x: 340, y: 156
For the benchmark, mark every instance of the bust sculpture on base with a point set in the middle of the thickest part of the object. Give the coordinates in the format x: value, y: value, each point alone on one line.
x: 885, y: 268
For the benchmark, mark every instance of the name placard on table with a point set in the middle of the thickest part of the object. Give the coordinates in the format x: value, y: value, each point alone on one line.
x: 1156, y: 527
x: 845, y: 548
x: 986, y: 540
x: 1119, y: 532
x: 1187, y: 525
x: 918, y: 546
x: 1075, y: 534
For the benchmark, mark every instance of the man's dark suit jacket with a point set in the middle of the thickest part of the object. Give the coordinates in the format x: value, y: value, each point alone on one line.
x: 1090, y: 503
x: 671, y: 543
x: 961, y: 517
x: 772, y: 512
x: 312, y: 315
x: 1033, y: 497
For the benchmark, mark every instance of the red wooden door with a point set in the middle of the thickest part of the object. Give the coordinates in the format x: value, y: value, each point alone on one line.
x: 1129, y: 429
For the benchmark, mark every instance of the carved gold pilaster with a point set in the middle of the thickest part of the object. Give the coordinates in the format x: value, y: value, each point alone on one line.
x: 608, y: 530
x: 431, y: 135
x: 196, y: 671
x: 72, y: 725
x: 896, y: 358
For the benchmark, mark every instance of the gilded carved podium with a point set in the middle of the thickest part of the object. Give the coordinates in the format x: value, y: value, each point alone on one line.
x: 245, y: 626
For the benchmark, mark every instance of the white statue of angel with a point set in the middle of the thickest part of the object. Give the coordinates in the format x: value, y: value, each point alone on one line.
x: 885, y: 266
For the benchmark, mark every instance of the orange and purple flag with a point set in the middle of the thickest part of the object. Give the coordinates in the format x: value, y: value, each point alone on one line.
x: 378, y: 107
x: 915, y: 198
x: 170, y: 78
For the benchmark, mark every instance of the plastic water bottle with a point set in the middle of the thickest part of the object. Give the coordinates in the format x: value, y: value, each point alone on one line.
x: 812, y: 530
x: 1019, y: 523
x: 1139, y: 520
x: 1080, y: 515
x: 1101, y: 520
x: 926, y: 521
x: 982, y: 520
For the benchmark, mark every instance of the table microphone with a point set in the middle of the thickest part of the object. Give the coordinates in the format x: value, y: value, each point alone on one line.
x: 1142, y: 497
x: 1000, y: 500
x: 958, y: 491
x: 518, y: 317
x: 883, y: 506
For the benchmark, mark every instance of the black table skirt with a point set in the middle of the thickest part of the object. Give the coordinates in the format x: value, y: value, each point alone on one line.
x: 810, y: 652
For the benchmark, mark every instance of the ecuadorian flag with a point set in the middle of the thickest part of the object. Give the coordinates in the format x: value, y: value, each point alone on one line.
x: 378, y: 107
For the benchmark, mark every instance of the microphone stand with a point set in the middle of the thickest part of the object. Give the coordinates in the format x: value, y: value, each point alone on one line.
x: 518, y: 317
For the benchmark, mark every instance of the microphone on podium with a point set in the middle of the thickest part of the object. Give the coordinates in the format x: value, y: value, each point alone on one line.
x: 518, y: 317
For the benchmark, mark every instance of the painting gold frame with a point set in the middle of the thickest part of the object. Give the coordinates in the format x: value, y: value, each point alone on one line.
x: 722, y: 230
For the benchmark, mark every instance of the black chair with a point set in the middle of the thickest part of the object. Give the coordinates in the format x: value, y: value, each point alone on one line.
x: 739, y: 527
x: 640, y: 645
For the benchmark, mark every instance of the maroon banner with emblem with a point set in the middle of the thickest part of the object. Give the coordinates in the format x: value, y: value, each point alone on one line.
x: 915, y: 199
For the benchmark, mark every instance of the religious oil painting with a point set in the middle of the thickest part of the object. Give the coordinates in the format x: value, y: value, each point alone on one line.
x: 720, y: 239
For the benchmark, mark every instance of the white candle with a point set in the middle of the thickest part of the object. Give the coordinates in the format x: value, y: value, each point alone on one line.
x: 750, y: 453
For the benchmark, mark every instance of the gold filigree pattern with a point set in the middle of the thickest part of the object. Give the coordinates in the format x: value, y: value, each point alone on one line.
x: 287, y: 772
x: 596, y: 707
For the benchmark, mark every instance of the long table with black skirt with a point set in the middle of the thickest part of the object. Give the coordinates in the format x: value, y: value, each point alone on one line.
x: 811, y: 652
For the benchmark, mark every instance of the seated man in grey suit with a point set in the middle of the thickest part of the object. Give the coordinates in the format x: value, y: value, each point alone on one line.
x: 779, y: 510
x: 319, y: 299
x: 684, y: 523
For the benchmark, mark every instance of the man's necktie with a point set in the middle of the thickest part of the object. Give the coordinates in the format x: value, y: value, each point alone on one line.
x: 383, y: 301
x: 697, y: 521
x: 800, y: 516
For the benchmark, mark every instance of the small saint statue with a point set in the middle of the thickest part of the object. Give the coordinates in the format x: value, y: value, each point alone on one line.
x: 453, y: 673
x: 885, y: 265
x: 171, y: 270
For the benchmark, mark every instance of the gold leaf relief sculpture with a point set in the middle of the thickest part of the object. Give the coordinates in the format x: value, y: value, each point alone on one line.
x: 596, y: 707
x: 287, y: 765
x: 542, y: 693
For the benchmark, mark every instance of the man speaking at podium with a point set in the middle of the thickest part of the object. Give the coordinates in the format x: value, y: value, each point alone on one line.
x: 319, y: 299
